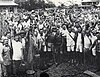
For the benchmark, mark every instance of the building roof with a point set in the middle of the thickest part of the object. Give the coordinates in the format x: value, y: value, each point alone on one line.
x: 19, y: 1
x: 8, y: 3
x: 90, y: 0
x: 84, y: 6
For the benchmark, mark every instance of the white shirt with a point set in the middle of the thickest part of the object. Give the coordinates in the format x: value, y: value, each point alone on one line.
x: 70, y: 41
x: 79, y: 39
x: 93, y: 38
x: 87, y: 42
x: 1, y: 48
x: 23, y: 42
x: 79, y: 43
x: 4, y: 37
x: 64, y: 32
x: 41, y: 26
x: 17, y: 50
x: 24, y: 24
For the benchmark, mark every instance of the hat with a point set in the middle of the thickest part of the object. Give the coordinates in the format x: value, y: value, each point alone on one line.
x: 54, y: 29
x: 16, y: 35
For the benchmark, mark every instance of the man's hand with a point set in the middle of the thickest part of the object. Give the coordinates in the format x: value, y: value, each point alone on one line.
x: 90, y: 48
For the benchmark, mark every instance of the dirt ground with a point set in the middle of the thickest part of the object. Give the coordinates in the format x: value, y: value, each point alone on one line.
x: 67, y: 70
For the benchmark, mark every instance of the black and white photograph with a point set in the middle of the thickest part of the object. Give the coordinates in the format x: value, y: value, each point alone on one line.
x: 49, y: 38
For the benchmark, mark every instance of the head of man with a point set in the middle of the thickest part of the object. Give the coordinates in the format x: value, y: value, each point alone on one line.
x: 35, y: 33
x: 64, y: 27
x: 26, y: 29
x: 87, y: 32
x: 5, y: 42
x: 98, y: 35
x: 79, y: 30
x: 44, y: 29
x: 99, y: 25
x: 8, y: 35
x: 77, y: 25
x: 16, y: 38
x: 70, y: 30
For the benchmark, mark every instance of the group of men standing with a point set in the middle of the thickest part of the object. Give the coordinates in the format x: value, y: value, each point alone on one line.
x: 52, y: 37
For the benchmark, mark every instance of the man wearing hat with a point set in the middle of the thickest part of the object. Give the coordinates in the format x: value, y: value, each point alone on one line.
x: 17, y: 54
x: 50, y: 43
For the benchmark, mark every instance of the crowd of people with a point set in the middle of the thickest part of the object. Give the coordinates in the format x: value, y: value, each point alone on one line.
x: 56, y: 36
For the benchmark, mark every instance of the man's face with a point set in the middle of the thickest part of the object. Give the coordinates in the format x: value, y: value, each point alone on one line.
x: 70, y: 29
x: 22, y: 35
x: 44, y: 30
x: 41, y: 31
x: 79, y: 30
x: 36, y: 34
x: 6, y: 42
x: 77, y: 25
x: 87, y: 33
x: 8, y: 35
x: 98, y: 36
x: 16, y: 38
x: 26, y: 29
x: 58, y: 26
x: 64, y: 27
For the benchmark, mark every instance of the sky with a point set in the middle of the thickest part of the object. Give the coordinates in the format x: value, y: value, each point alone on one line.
x: 66, y: 2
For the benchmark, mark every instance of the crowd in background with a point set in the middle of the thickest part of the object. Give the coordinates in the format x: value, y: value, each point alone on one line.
x: 56, y: 36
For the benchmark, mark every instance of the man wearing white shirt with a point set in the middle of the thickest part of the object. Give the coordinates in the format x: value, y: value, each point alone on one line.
x: 79, y: 45
x: 87, y: 44
x: 70, y: 42
x: 1, y: 59
x: 17, y: 54
x: 23, y: 46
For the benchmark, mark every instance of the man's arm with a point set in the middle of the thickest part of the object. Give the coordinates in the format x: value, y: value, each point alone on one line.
x: 1, y: 56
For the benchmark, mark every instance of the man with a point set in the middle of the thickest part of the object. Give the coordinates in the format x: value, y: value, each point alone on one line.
x: 17, y: 54
x: 23, y: 45
x: 79, y: 45
x: 58, y: 47
x: 87, y: 44
x: 69, y: 42
x: 6, y: 59
x: 1, y: 59
x: 8, y: 35
x: 97, y: 44
x: 49, y: 45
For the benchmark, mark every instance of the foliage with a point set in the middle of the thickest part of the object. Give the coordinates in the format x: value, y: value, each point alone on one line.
x: 34, y: 4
